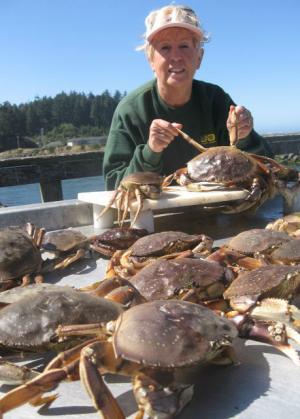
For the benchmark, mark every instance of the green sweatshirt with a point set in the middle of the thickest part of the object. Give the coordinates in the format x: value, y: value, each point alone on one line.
x: 203, y: 118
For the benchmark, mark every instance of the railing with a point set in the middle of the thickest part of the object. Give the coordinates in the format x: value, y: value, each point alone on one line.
x: 49, y: 171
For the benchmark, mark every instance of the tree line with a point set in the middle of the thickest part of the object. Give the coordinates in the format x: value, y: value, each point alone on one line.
x: 65, y: 115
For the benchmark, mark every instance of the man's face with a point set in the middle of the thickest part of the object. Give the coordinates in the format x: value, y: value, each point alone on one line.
x: 176, y: 57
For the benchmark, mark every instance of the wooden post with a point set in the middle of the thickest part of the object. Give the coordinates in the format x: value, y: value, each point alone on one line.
x: 51, y: 191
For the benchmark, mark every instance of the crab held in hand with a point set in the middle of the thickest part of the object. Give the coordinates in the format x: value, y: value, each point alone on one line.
x: 227, y: 167
x: 136, y: 186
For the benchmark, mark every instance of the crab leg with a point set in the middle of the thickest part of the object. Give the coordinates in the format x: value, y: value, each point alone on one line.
x: 233, y: 132
x: 99, y: 393
x: 139, y: 198
x: 62, y: 367
x: 268, y: 331
x: 111, y: 201
x: 191, y: 141
x: 119, y: 290
x: 13, y: 374
x: 69, y: 260
x: 125, y: 206
x: 33, y: 390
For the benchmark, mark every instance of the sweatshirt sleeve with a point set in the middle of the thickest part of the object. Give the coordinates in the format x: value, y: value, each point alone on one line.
x: 256, y: 144
x: 127, y: 151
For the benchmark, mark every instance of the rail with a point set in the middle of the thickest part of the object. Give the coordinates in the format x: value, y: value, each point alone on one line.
x: 49, y: 171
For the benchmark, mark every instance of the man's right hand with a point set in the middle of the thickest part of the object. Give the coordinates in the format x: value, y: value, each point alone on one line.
x: 161, y: 134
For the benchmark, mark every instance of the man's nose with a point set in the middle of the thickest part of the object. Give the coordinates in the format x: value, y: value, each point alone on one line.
x: 176, y: 54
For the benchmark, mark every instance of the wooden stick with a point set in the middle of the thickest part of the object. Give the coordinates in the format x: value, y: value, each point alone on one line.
x: 190, y: 140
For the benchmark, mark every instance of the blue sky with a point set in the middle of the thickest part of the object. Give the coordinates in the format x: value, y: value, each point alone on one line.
x: 49, y: 46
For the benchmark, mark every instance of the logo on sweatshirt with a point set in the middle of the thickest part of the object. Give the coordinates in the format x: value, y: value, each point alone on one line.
x: 208, y: 139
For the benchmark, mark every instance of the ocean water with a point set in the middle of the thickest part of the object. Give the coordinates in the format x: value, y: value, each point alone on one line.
x: 30, y: 194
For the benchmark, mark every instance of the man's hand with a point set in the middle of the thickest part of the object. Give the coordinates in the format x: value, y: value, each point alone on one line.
x: 239, y: 122
x: 161, y: 134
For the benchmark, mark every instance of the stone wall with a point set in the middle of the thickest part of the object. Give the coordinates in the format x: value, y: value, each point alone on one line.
x: 284, y: 143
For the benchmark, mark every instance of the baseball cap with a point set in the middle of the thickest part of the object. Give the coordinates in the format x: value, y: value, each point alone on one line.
x: 172, y: 16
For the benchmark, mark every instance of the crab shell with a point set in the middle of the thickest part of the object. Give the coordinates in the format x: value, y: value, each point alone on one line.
x: 287, y: 253
x: 60, y: 241
x: 30, y: 323
x: 149, y: 183
x: 158, y: 244
x: 19, y: 255
x: 119, y: 238
x: 268, y: 281
x: 165, y: 279
x: 257, y: 241
x: 223, y: 164
x: 171, y: 334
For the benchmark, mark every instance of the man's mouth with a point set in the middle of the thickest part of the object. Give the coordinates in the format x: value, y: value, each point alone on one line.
x: 176, y: 71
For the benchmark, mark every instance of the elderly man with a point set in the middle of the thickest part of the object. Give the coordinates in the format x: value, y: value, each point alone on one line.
x: 143, y: 134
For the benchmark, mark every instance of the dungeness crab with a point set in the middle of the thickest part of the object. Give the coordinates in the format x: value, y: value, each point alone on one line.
x: 29, y: 323
x: 161, y: 345
x: 61, y: 248
x: 163, y: 245
x: 19, y: 255
x: 266, y: 246
x: 137, y: 186
x: 189, y: 279
x: 118, y: 238
x: 227, y: 167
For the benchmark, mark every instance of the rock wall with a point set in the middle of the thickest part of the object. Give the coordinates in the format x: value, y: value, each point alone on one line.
x: 284, y: 143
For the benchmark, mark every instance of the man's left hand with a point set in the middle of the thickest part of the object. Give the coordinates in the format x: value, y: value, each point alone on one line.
x: 240, y: 118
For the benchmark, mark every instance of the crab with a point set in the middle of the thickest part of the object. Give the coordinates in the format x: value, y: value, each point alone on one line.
x: 61, y: 248
x: 161, y: 345
x: 33, y: 313
x: 257, y: 247
x: 163, y: 245
x: 265, y: 293
x: 189, y: 279
x: 20, y: 255
x: 115, y: 239
x: 274, y: 281
x: 227, y: 167
x: 138, y: 185
x: 289, y: 224
x: 29, y: 323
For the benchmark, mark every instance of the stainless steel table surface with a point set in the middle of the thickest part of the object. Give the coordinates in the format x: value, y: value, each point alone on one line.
x: 266, y: 384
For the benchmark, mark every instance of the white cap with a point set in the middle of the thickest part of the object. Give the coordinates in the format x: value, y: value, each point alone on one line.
x: 172, y: 16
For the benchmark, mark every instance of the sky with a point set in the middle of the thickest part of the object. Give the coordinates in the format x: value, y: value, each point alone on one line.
x: 50, y: 46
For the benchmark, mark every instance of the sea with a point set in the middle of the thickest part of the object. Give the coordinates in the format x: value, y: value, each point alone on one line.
x: 30, y: 193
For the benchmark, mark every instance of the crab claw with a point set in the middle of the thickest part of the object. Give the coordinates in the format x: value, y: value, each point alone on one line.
x: 272, y: 332
x: 277, y: 309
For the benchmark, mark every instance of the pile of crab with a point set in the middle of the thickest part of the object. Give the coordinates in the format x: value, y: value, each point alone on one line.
x: 170, y: 302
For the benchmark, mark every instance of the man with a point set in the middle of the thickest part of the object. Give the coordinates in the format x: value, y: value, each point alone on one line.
x: 143, y: 134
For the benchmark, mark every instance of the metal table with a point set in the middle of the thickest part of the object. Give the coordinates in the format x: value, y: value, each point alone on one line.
x: 265, y: 384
